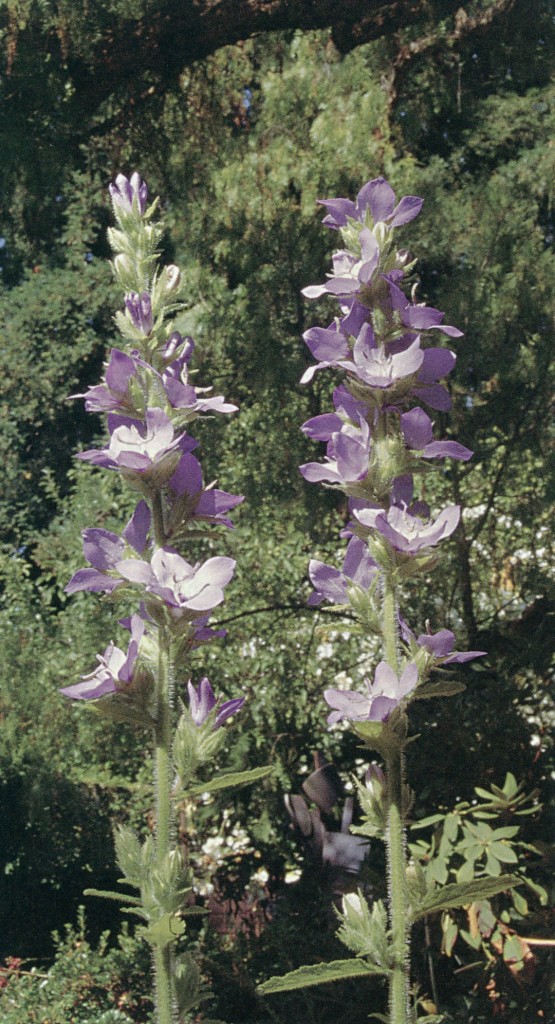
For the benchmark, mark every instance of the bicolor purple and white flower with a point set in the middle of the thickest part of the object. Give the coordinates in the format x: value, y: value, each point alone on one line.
x: 104, y: 549
x: 140, y: 447
x: 351, y: 274
x: 407, y: 533
x: 202, y: 703
x: 114, y: 671
x: 374, y: 204
x: 384, y: 694
x: 347, y: 459
x: 139, y: 310
x: 128, y: 194
x: 181, y: 586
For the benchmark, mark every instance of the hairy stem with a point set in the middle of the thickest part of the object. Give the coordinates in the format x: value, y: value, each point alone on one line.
x: 390, y: 623
x: 398, y: 901
x: 395, y: 837
x: 163, y: 781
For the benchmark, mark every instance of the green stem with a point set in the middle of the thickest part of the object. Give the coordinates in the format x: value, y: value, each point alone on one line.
x: 398, y: 902
x: 163, y: 781
x: 399, y: 1007
x: 390, y: 623
x: 158, y: 519
x: 163, y: 985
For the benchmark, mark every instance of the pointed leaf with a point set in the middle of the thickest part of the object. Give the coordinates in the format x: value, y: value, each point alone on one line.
x: 121, y: 897
x: 503, y: 853
x: 441, y: 688
x: 459, y: 894
x: 318, y: 974
x: 231, y: 779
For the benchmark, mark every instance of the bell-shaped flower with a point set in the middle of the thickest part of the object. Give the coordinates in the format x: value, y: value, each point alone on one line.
x: 416, y: 427
x: 330, y: 584
x: 104, y: 549
x: 202, y: 703
x: 384, y: 694
x: 114, y: 671
x: 408, y: 533
x: 375, y: 203
x: 180, y: 585
x: 193, y: 500
x: 142, y: 448
x: 128, y: 194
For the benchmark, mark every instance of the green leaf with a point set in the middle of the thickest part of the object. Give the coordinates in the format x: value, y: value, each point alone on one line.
x: 458, y: 894
x: 503, y: 853
x: 121, y: 897
x: 443, y: 688
x: 230, y: 779
x: 319, y: 974
x: 432, y: 820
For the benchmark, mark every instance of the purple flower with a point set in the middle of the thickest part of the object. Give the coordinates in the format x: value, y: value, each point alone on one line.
x: 176, y: 345
x: 140, y: 447
x: 114, y: 671
x: 139, y: 311
x: 376, y: 199
x: 328, y: 345
x: 439, y: 645
x: 181, y: 394
x: 384, y: 694
x: 416, y: 428
x: 437, y: 363
x: 202, y: 702
x: 416, y: 317
x: 377, y: 367
x: 347, y: 459
x: 359, y: 570
x: 350, y: 274
x: 113, y: 396
x: 408, y: 533
x: 122, y: 369
x: 128, y: 194
x: 104, y: 549
x: 180, y: 585
x: 194, y: 501
x: 204, y: 634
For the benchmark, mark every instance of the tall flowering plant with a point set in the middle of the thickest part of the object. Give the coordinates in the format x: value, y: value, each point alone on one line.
x: 378, y: 439
x: 151, y: 404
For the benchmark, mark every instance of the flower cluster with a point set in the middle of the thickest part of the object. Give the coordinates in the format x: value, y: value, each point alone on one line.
x: 150, y: 404
x: 379, y: 436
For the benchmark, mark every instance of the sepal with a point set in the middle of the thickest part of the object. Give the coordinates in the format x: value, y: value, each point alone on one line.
x: 388, y: 738
x: 364, y: 931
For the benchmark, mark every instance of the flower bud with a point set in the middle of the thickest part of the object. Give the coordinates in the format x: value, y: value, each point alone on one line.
x: 375, y: 780
x: 172, y: 281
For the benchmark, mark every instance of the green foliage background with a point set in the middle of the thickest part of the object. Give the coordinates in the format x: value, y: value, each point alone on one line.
x: 239, y: 149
